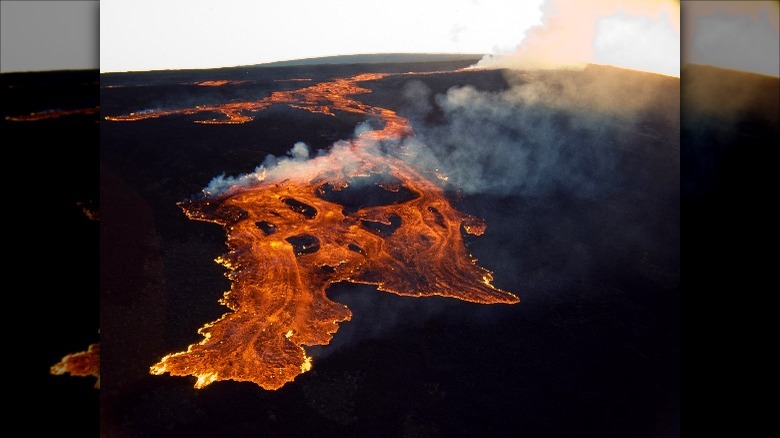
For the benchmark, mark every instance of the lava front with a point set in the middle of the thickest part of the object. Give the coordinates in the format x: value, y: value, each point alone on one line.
x: 355, y: 215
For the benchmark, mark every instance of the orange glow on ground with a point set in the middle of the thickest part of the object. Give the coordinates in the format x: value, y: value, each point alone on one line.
x: 84, y: 363
x: 52, y: 114
x: 218, y: 83
x: 289, y: 239
x: 321, y: 98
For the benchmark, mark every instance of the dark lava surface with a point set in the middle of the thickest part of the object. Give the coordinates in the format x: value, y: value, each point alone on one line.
x: 593, y: 348
x: 52, y: 244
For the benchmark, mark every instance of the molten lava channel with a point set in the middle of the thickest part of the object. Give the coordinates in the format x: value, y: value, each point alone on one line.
x: 83, y: 363
x: 291, y: 235
x: 218, y: 83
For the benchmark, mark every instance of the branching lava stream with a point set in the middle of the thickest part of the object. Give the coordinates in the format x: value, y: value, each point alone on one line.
x: 356, y: 215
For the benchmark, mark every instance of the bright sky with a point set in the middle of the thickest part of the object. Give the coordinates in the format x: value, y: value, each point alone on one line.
x: 166, y: 34
x: 636, y: 34
x: 169, y: 34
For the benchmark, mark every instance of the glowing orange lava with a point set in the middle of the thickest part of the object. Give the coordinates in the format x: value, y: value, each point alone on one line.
x: 85, y: 363
x: 323, y: 98
x: 52, y: 114
x: 356, y: 215
x: 218, y: 83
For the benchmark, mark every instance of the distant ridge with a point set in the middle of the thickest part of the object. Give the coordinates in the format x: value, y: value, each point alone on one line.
x: 723, y: 91
x: 379, y: 58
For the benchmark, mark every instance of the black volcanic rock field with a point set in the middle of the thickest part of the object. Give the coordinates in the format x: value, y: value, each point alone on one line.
x: 577, y: 175
x: 584, y: 179
x: 580, y: 192
x: 54, y: 239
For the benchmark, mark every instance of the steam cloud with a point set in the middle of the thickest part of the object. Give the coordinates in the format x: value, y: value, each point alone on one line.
x: 548, y: 133
x: 222, y: 183
x: 637, y: 34
x: 590, y: 155
x: 298, y: 161
x: 591, y: 162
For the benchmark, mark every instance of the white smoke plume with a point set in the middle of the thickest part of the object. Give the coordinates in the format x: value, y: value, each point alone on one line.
x: 549, y: 132
x: 298, y: 162
x: 636, y: 34
x: 221, y: 183
x: 590, y: 162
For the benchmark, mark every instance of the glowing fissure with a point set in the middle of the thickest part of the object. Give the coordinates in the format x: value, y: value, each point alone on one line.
x: 323, y: 98
x: 52, y: 114
x: 289, y: 240
x: 218, y: 83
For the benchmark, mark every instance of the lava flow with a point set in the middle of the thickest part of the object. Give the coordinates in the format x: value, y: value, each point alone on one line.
x: 323, y: 98
x: 218, y: 83
x: 356, y: 215
x: 84, y: 363
x: 52, y: 114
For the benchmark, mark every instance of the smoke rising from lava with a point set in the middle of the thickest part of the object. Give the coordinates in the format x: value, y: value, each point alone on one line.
x: 296, y: 163
x: 636, y: 34
x: 550, y: 132
x: 583, y: 151
x: 295, y: 156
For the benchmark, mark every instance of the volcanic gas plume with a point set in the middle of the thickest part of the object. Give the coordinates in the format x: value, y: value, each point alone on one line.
x: 323, y: 98
x: 635, y: 34
x: 357, y: 214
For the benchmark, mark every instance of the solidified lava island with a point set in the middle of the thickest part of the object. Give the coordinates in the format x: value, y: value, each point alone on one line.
x: 356, y: 215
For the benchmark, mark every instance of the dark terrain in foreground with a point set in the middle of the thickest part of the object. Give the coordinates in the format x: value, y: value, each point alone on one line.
x: 592, y: 249
x: 731, y: 129
x: 53, y: 166
x: 592, y: 350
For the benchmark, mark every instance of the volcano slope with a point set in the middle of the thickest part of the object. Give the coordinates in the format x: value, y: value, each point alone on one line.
x: 575, y: 174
